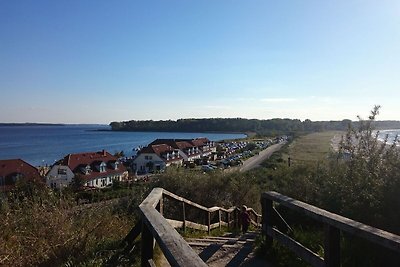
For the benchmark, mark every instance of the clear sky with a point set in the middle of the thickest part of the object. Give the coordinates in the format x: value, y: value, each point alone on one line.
x: 102, y: 61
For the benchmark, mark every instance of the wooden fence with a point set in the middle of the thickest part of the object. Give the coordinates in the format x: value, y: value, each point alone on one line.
x: 333, y: 225
x: 153, y: 226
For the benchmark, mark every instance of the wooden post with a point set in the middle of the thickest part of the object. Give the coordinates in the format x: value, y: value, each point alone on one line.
x: 209, y: 221
x: 147, y: 245
x: 219, y: 218
x: 228, y: 215
x: 256, y: 220
x: 161, y: 206
x: 267, y: 213
x: 332, y: 246
x: 183, y: 216
x: 235, y: 218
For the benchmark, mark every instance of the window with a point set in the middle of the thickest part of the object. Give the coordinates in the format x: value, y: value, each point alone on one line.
x: 62, y: 171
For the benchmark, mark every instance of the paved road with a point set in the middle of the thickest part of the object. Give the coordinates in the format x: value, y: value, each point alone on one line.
x: 255, y: 161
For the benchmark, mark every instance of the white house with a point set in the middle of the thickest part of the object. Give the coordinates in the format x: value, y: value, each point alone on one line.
x: 156, y: 157
x: 96, y: 169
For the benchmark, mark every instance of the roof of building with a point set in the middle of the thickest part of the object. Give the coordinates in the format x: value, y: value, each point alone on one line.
x: 159, y: 150
x: 200, y: 141
x: 18, y: 166
x: 92, y: 159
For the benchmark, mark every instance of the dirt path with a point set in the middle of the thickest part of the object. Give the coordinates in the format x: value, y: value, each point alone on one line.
x: 255, y: 161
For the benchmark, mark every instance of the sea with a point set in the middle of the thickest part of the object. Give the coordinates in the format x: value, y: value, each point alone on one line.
x: 391, y: 135
x: 43, y: 145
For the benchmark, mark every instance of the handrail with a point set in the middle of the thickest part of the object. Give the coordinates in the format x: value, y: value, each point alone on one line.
x: 156, y: 227
x: 333, y: 224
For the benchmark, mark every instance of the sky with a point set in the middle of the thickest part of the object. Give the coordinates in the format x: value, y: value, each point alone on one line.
x: 97, y: 61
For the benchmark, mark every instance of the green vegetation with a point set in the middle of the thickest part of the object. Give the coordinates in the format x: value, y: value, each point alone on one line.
x: 360, y: 181
x: 312, y: 147
x: 260, y: 127
x: 41, y: 229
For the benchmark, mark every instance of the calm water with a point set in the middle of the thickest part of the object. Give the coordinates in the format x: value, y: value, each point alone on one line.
x: 40, y: 145
x: 391, y: 134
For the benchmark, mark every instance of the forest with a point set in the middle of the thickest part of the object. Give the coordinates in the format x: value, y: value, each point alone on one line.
x: 261, y: 127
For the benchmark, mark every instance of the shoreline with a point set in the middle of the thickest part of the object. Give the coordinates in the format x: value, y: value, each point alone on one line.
x: 247, y: 134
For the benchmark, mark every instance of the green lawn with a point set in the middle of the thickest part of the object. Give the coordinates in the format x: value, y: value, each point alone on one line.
x: 312, y: 147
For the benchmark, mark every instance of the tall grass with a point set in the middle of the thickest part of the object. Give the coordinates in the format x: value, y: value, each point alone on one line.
x: 44, y: 231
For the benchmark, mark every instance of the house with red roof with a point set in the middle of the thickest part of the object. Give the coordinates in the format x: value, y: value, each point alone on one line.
x: 96, y: 169
x: 161, y: 153
x: 190, y: 149
x: 14, y: 170
x: 156, y: 157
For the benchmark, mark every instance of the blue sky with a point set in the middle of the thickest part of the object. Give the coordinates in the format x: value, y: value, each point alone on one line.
x: 102, y: 61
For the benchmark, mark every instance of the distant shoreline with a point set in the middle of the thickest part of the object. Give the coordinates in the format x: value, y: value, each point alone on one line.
x: 152, y: 131
x: 31, y: 124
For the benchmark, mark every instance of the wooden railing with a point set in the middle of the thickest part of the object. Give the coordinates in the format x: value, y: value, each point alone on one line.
x: 153, y: 226
x: 333, y: 225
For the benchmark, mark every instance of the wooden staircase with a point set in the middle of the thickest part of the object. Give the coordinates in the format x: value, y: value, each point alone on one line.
x: 227, y: 250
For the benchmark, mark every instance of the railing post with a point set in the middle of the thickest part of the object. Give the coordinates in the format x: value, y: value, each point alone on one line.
x: 147, y: 245
x: 209, y: 221
x: 332, y: 246
x: 161, y: 206
x: 183, y: 216
x: 235, y: 219
x: 267, y: 213
x: 219, y: 218
x: 228, y: 215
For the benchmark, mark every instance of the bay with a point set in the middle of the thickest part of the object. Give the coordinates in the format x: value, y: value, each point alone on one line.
x: 43, y: 145
x: 389, y: 134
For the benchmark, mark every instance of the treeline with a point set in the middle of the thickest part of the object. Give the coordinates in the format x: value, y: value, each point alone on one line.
x: 263, y: 127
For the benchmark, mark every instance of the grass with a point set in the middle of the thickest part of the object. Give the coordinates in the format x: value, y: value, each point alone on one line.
x: 311, y: 147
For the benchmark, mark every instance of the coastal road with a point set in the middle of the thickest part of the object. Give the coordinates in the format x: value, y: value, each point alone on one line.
x: 256, y: 160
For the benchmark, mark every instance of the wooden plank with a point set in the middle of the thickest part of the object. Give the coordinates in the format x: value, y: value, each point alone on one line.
x: 133, y: 233
x: 214, y: 225
x: 175, y: 224
x: 179, y: 224
x: 375, y: 235
x: 306, y: 254
x: 254, y: 212
x: 224, y: 224
x: 151, y: 263
x: 196, y: 226
x: 219, y: 220
x: 208, y: 218
x: 212, y: 209
x: 153, y: 198
x: 147, y: 246
x: 193, y: 204
x: 184, y: 216
x: 174, y: 247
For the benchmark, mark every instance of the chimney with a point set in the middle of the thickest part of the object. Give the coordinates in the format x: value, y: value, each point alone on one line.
x: 104, y: 153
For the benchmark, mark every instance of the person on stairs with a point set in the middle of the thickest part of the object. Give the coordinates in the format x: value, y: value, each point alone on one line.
x: 244, y: 219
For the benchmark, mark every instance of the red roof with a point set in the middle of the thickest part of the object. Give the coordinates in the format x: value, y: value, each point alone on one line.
x: 11, y: 167
x: 160, y: 150
x: 200, y: 141
x: 92, y: 159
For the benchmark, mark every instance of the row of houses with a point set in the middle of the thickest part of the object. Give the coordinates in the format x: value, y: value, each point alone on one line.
x: 162, y: 153
x: 94, y: 170
x: 100, y: 169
